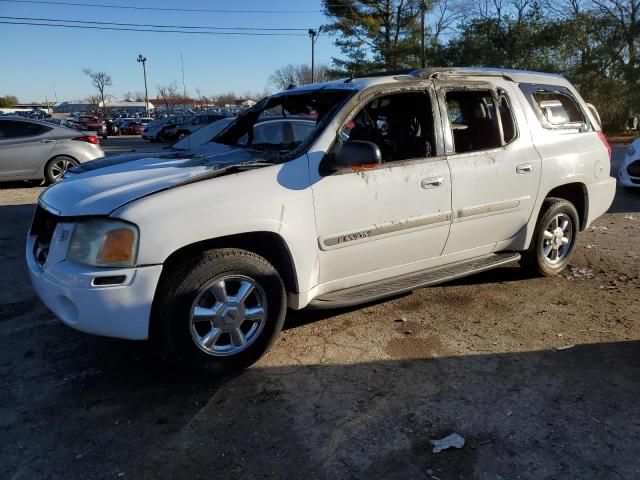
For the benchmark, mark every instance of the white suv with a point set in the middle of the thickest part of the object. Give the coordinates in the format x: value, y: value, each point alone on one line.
x: 401, y: 181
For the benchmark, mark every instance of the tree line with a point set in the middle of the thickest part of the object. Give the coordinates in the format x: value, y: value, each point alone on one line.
x: 594, y: 43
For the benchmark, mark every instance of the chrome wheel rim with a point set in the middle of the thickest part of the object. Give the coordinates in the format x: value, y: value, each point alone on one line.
x: 60, y: 167
x: 228, y: 315
x: 557, y: 239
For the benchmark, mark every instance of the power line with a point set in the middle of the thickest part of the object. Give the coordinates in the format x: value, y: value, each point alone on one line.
x: 203, y: 32
x: 285, y: 29
x: 165, y: 9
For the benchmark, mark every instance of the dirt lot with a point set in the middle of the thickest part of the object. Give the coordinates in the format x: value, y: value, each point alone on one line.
x: 352, y: 394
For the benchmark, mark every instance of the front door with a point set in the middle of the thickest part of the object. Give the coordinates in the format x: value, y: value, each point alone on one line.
x: 24, y: 147
x: 379, y: 223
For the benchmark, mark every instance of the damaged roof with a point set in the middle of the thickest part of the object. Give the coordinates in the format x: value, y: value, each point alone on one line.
x: 372, y: 79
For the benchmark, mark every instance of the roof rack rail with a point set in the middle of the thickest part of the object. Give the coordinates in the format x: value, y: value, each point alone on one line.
x: 437, y: 72
x: 386, y: 73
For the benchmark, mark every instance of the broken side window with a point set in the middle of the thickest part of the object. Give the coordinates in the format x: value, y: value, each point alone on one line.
x: 558, y: 109
x: 473, y: 120
x: 401, y: 124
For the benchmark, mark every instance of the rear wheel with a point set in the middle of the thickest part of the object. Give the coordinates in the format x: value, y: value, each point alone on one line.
x: 554, y: 240
x: 222, y: 311
x: 57, y: 167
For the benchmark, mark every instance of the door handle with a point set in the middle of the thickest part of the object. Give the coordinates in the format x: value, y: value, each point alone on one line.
x: 46, y: 141
x: 524, y: 168
x: 432, y: 182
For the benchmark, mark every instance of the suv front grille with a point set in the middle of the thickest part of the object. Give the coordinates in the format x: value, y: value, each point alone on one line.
x: 43, y: 226
x: 634, y: 169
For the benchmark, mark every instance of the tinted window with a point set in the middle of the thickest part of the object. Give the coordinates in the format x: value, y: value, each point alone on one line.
x: 301, y: 130
x: 473, y: 119
x: 17, y: 129
x: 557, y: 108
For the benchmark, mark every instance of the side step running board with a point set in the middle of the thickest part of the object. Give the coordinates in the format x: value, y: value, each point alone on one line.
x: 405, y: 283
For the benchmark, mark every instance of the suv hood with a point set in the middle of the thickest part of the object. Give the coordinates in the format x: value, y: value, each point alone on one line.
x: 101, y: 186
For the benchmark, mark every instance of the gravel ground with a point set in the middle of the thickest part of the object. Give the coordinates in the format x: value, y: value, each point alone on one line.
x: 539, y: 375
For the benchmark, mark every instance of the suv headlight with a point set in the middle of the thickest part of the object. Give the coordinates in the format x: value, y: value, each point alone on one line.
x: 631, y: 151
x: 104, y: 243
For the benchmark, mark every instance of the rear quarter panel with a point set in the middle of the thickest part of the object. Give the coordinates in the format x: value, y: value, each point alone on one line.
x: 568, y: 156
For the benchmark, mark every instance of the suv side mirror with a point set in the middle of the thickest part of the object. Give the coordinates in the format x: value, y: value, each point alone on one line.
x: 356, y: 155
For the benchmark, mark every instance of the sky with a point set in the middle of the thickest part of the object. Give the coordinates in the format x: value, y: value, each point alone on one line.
x: 45, y: 63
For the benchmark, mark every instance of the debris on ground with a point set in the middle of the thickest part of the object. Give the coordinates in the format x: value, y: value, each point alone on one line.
x: 579, y: 273
x: 565, y: 347
x: 452, y: 441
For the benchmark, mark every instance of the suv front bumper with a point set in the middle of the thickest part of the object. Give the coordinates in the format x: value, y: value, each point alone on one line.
x: 68, y: 290
x: 627, y: 180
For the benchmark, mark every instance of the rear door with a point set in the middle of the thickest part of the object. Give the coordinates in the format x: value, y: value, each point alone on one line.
x: 495, y: 170
x: 24, y: 147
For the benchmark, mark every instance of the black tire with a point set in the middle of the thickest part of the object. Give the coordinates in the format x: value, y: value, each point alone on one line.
x: 184, y: 284
x: 535, y: 259
x: 56, y: 167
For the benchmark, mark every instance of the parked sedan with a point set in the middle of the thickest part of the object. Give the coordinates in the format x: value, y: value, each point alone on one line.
x: 36, y: 150
x: 133, y: 127
x: 629, y: 173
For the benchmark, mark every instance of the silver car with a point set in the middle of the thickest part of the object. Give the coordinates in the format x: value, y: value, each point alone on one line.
x: 36, y: 150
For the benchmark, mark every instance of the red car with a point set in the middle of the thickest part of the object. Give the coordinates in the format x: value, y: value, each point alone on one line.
x: 133, y: 128
x: 91, y: 123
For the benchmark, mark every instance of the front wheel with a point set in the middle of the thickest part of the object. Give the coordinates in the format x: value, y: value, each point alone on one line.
x: 554, y: 240
x: 222, y: 311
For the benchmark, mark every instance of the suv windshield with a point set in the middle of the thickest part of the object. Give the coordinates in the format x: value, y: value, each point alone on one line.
x: 316, y: 107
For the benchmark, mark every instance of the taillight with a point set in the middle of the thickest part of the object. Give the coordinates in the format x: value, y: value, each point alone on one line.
x: 88, y: 138
x: 602, y: 137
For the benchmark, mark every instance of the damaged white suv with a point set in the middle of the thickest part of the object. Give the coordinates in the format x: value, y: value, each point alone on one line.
x: 349, y: 191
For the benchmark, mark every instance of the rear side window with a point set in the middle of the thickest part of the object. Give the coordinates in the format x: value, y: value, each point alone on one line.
x: 509, y: 131
x: 473, y: 120
x: 17, y: 129
x: 558, y: 109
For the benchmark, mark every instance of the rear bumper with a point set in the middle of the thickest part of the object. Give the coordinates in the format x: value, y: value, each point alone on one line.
x: 600, y: 198
x: 121, y: 311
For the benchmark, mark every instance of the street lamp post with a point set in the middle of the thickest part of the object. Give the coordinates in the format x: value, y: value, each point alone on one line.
x: 143, y: 61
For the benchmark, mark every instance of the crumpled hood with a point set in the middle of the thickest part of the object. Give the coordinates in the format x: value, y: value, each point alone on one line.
x: 101, y: 186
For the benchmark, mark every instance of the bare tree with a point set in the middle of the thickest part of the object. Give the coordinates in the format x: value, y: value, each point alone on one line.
x: 100, y: 80
x: 288, y: 75
x: 94, y: 102
x: 168, y: 94
x: 626, y: 15
x: 133, y: 97
x: 443, y: 18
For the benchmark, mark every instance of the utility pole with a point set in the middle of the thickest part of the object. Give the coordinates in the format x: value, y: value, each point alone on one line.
x: 143, y: 61
x: 313, y: 35
x: 423, y: 11
x: 184, y: 87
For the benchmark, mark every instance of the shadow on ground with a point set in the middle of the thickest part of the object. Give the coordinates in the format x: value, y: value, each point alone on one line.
x: 76, y: 406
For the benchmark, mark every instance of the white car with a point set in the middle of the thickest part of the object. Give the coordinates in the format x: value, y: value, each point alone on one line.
x: 629, y: 172
x: 393, y: 183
